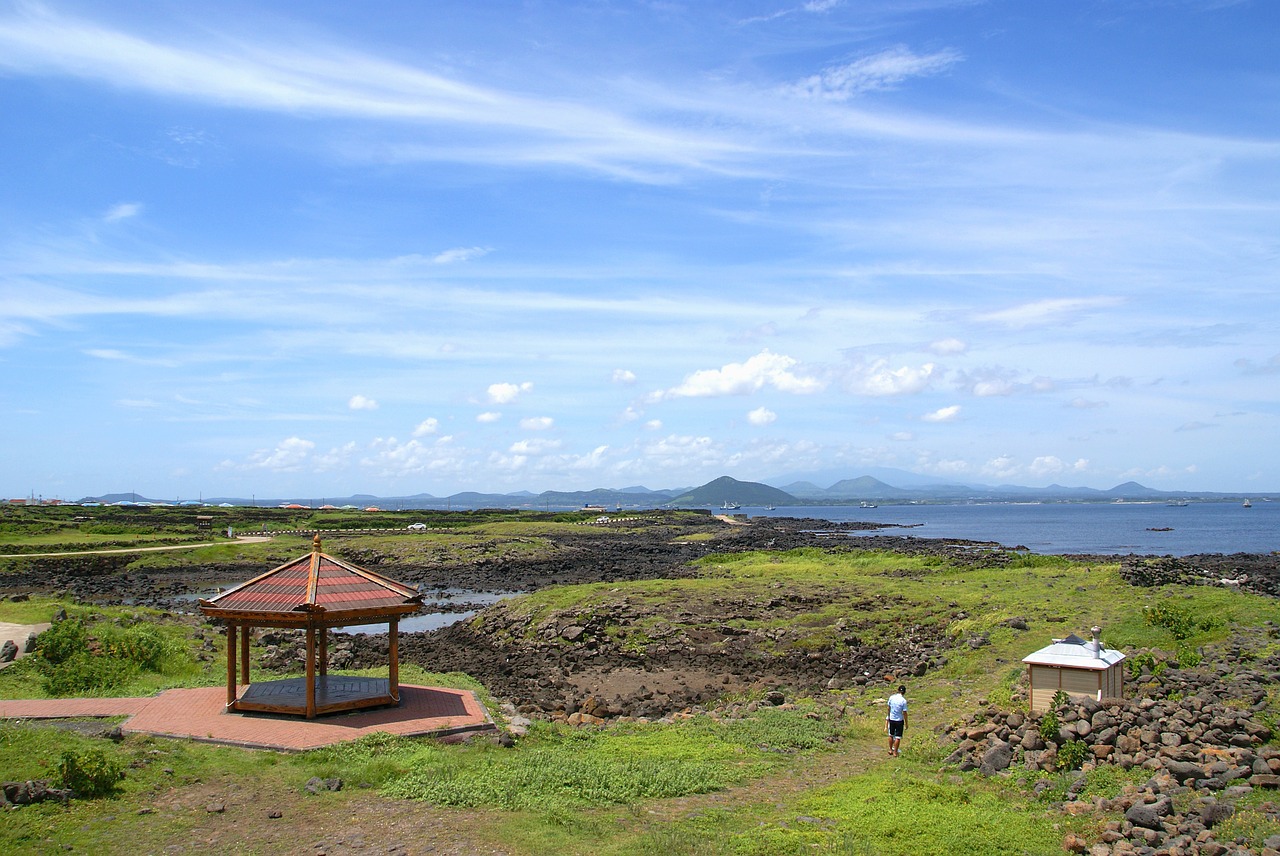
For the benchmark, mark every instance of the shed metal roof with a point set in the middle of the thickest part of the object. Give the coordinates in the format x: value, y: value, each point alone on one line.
x: 1075, y: 653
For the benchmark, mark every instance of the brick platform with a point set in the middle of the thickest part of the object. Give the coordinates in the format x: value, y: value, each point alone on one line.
x: 199, y: 714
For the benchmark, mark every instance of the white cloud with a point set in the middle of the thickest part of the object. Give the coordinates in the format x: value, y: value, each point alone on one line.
x: 623, y: 376
x: 992, y: 387
x: 123, y: 211
x: 427, y: 426
x: 764, y: 369
x: 653, y: 425
x: 1085, y: 404
x: 289, y: 455
x: 1046, y: 465
x: 884, y: 70
x: 943, y: 414
x: 505, y: 393
x: 876, y: 378
x: 334, y: 459
x: 761, y: 416
x: 360, y: 402
x: 902, y: 436
x: 1002, y: 467
x: 948, y: 347
x: 391, y: 458
x: 488, y: 417
x: 460, y: 254
x: 537, y: 446
x: 537, y: 423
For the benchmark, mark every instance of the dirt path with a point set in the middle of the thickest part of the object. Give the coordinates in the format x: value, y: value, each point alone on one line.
x: 240, y: 539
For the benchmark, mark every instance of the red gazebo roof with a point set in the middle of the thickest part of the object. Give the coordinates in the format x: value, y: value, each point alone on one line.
x: 316, y: 586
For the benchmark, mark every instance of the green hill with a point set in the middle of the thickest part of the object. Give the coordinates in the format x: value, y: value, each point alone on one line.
x: 726, y: 490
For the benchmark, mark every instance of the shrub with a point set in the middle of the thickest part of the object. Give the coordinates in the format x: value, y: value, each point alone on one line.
x: 1170, y: 617
x: 1049, y: 726
x: 63, y: 640
x: 1071, y: 755
x: 84, y: 673
x: 141, y: 646
x: 89, y: 772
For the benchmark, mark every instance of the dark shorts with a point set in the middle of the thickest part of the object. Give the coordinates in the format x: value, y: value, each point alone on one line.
x: 895, y: 727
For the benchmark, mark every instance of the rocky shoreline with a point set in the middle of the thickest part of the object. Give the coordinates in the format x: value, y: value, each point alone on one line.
x: 587, y: 666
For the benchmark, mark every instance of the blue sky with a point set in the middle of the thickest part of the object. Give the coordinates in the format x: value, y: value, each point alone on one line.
x: 309, y: 249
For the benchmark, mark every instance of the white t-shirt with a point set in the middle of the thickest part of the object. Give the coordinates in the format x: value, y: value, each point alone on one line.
x: 897, y: 707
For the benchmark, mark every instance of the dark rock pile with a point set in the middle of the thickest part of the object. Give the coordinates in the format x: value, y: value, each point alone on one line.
x: 14, y: 794
x: 1202, y: 733
x: 1252, y: 572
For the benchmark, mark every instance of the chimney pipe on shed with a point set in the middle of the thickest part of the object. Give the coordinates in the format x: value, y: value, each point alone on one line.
x: 1097, y: 641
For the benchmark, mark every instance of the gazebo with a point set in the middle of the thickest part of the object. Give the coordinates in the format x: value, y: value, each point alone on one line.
x: 314, y: 593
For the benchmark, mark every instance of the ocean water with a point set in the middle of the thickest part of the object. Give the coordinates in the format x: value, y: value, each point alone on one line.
x: 1058, y: 528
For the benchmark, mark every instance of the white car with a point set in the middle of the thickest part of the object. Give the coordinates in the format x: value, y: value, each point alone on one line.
x: 417, y: 527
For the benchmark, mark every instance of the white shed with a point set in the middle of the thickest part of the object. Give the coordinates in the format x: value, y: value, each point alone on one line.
x: 1076, y: 667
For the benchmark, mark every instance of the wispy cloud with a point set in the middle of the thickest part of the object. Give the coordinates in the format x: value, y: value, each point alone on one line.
x: 1057, y: 310
x: 123, y: 211
x: 460, y: 254
x: 885, y: 70
x: 326, y: 80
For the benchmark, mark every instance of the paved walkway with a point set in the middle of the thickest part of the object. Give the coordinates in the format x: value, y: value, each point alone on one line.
x: 199, y: 714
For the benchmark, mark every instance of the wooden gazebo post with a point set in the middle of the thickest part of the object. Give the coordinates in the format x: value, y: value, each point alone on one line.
x: 244, y: 655
x: 231, y: 664
x: 311, y: 671
x: 393, y: 670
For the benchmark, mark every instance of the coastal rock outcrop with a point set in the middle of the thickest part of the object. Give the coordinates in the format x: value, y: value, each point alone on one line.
x: 1203, y: 732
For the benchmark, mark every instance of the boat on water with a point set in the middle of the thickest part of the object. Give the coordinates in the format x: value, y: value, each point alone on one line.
x: 1248, y: 504
x: 730, y: 506
x: 865, y: 504
x: 1177, y: 503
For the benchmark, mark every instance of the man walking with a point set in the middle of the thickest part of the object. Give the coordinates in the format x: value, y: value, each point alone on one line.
x: 896, y: 722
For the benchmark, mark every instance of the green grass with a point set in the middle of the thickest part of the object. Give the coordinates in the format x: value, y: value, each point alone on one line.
x: 779, y: 782
x: 559, y: 768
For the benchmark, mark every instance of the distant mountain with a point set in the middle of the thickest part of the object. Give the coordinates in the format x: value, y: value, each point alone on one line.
x: 887, y: 475
x: 804, y: 490
x: 866, y: 487
x: 724, y: 490
x: 1132, y: 488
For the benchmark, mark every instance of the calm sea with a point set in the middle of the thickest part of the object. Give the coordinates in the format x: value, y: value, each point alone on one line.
x: 1129, y: 527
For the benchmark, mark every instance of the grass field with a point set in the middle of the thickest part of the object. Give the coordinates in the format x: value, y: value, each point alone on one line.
x: 811, y: 778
